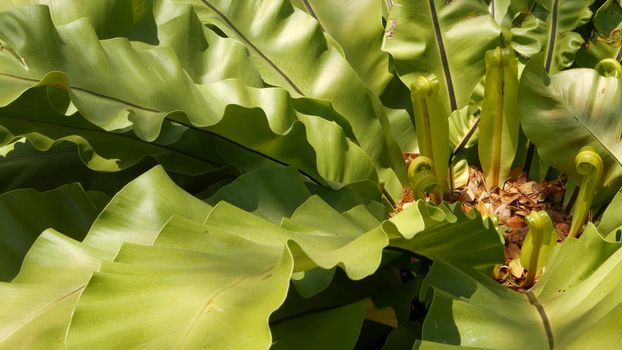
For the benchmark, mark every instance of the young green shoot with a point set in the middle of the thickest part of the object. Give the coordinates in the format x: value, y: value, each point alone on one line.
x: 539, y: 241
x: 499, y: 123
x: 609, y: 67
x: 421, y: 177
x: 432, y: 128
x: 590, y: 165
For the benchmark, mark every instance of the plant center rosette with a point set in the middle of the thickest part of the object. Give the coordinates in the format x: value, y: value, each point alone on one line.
x: 509, y: 205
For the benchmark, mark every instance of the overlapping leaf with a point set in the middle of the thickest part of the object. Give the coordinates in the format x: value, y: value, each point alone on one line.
x: 110, y: 18
x: 160, y: 268
x: 205, y: 56
x: 569, y: 110
x: 356, y: 25
x: 67, y: 208
x: 30, y: 116
x: 448, y: 39
x: 203, y: 282
x: 549, y: 29
x: 36, y: 306
x: 463, y: 129
x: 433, y: 231
x: 27, y: 167
x: 446, y: 232
x: 235, y: 252
x: 605, y: 41
x: 384, y: 289
x: 347, y: 321
x: 574, y: 306
x: 291, y: 51
x: 499, y: 9
x: 403, y: 129
x: 610, y: 224
x: 116, y: 99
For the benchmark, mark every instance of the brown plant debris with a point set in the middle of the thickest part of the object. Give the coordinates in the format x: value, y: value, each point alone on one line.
x: 511, y: 203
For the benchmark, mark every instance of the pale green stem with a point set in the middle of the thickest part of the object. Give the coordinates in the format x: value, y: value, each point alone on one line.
x: 497, y: 57
x: 499, y: 123
x: 540, y: 226
x: 432, y: 128
x: 590, y: 165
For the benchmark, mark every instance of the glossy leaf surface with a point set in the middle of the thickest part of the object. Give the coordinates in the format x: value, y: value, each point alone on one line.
x: 447, y: 39
x: 548, y: 29
x: 499, y: 121
x: 569, y: 110
x: 356, y: 25
x: 274, y: 127
x: 573, y: 306
x: 291, y: 51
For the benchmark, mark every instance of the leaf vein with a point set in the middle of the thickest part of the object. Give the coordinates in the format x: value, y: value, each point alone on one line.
x: 253, y: 46
x: 443, y: 55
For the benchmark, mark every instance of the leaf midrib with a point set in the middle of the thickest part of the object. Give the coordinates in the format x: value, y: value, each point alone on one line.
x: 589, y: 131
x: 309, y: 9
x: 443, y: 55
x: 498, y: 126
x: 73, y: 87
x: 209, y: 301
x: 585, y: 126
x: 190, y: 126
x: 233, y: 27
x: 552, y: 36
x: 533, y: 300
x: 40, y: 310
x: 4, y: 115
